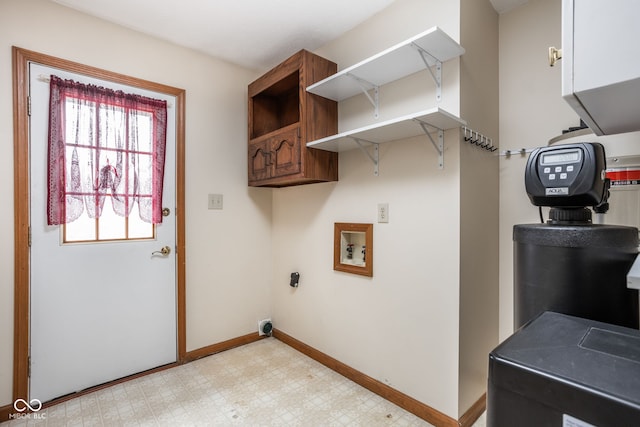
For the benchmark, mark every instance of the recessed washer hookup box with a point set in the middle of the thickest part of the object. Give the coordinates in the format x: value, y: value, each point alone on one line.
x: 565, y: 371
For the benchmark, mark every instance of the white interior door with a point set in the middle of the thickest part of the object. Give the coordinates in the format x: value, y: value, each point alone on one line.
x: 98, y: 311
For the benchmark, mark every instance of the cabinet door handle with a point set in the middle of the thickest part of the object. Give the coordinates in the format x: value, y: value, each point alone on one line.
x: 554, y: 55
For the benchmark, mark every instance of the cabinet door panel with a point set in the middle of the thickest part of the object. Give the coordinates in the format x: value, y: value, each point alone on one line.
x: 286, y: 154
x: 259, y: 162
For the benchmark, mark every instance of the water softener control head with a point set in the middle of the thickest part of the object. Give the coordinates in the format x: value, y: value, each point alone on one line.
x: 567, y: 176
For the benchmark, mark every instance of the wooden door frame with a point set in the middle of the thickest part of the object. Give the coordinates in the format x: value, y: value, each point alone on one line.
x: 21, y: 59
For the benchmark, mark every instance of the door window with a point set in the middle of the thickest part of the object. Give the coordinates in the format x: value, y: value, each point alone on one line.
x: 106, y: 162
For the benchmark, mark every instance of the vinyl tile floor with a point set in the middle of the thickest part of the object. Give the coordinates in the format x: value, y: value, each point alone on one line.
x: 265, y: 383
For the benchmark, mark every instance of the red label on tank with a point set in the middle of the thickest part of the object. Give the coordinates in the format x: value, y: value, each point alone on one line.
x: 624, y: 176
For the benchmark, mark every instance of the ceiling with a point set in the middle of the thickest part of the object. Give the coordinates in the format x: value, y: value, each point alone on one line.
x: 256, y: 34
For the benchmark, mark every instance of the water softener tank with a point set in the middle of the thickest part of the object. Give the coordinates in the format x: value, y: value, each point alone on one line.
x: 570, y: 299
x: 570, y: 265
x: 578, y: 270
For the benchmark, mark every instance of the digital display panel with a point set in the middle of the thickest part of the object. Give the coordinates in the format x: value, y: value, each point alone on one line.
x: 561, y: 157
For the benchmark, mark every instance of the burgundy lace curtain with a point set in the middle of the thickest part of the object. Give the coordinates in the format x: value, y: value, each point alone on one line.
x: 104, y: 143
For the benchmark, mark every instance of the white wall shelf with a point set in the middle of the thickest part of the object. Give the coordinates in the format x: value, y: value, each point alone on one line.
x: 435, y: 120
x: 426, y: 50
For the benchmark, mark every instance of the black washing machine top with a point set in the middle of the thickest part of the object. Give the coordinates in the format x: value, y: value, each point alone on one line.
x: 594, y: 354
x: 559, y: 364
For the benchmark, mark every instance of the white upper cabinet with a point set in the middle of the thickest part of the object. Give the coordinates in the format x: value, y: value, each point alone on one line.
x: 601, y: 63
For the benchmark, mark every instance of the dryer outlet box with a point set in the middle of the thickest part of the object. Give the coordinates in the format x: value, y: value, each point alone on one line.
x: 265, y: 327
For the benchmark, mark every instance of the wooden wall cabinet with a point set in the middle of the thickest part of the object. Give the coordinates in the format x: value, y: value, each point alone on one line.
x: 283, y: 117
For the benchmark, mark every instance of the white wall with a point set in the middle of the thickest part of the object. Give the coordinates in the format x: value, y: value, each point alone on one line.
x: 228, y: 262
x: 532, y: 112
x: 401, y: 326
x: 479, y: 193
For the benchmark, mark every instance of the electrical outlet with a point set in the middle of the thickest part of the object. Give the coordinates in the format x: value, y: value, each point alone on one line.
x: 215, y: 201
x: 383, y: 212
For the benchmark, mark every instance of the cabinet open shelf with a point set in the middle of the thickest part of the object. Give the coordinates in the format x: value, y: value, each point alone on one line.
x: 423, y: 122
x: 429, y: 48
x: 283, y: 117
x: 276, y: 107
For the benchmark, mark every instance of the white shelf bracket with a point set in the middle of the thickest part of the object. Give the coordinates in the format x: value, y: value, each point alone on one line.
x: 437, y: 75
x: 439, y: 145
x: 373, y: 157
x: 365, y: 87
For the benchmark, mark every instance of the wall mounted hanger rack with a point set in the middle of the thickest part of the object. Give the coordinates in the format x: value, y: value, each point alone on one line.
x: 477, y: 139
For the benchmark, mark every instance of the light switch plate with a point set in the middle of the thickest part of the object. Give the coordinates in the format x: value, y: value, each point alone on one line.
x: 215, y: 201
x: 383, y: 212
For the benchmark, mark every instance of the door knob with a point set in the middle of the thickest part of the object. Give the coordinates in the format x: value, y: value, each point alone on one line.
x: 164, y: 251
